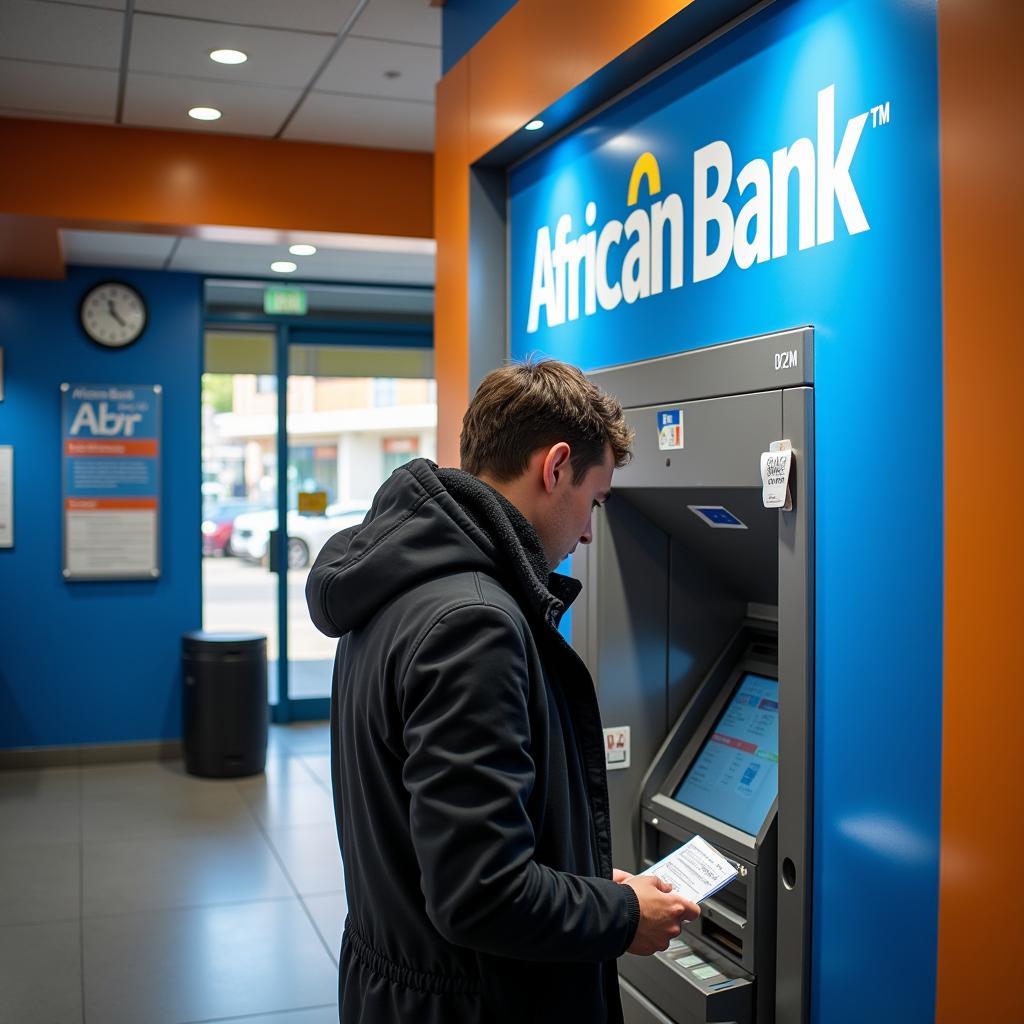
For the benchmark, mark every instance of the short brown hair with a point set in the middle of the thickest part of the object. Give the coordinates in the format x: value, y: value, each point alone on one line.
x: 534, y: 404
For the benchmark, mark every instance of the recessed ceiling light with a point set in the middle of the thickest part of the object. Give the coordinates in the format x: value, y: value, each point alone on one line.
x: 204, y: 113
x: 283, y: 267
x: 532, y: 126
x: 302, y: 250
x: 229, y: 56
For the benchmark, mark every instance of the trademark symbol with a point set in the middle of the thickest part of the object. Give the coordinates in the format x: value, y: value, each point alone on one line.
x: 879, y: 115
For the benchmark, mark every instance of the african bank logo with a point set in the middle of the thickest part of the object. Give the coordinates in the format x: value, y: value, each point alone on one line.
x: 571, y: 274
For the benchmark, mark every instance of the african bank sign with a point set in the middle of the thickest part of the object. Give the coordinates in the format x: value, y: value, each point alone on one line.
x: 579, y: 272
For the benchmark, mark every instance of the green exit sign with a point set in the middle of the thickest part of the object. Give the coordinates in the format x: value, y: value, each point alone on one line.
x: 285, y: 300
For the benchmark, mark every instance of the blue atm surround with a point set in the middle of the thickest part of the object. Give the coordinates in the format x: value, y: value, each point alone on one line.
x: 873, y: 298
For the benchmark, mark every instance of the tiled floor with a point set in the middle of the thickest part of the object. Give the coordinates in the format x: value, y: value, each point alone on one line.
x: 137, y: 894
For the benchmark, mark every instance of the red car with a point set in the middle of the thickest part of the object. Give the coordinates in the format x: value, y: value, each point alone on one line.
x: 218, y: 520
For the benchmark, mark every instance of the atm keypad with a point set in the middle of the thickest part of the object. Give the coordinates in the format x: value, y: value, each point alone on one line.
x: 704, y: 974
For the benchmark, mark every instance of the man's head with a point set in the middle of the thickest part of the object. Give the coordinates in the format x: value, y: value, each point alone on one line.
x: 549, y: 440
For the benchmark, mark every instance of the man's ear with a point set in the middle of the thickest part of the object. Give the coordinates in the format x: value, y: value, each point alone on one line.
x: 556, y: 465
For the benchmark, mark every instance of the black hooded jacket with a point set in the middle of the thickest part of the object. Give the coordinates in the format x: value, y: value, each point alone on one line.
x: 468, y: 768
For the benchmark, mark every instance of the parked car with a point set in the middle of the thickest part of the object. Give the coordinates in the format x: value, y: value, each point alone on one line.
x: 250, y: 537
x: 218, y: 520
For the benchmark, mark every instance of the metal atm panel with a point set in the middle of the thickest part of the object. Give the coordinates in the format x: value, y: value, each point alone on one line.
x: 672, y: 608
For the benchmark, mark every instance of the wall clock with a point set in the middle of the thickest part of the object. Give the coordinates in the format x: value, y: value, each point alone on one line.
x: 113, y: 314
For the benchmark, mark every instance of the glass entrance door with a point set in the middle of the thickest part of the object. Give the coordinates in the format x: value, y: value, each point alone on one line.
x: 239, y: 488
x: 354, y: 415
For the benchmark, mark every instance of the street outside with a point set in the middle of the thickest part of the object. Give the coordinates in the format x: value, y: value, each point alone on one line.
x: 241, y: 597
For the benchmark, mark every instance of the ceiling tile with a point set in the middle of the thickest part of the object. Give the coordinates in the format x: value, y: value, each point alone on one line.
x: 304, y: 15
x: 359, y: 67
x: 162, y: 102
x: 364, y: 121
x: 405, y: 21
x: 205, y: 257
x: 181, y: 46
x: 61, y: 34
x: 57, y: 89
x: 116, y: 249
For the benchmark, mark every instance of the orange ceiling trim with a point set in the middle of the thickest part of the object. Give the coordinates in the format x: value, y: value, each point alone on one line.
x: 141, y: 179
x: 533, y: 56
x: 981, y: 152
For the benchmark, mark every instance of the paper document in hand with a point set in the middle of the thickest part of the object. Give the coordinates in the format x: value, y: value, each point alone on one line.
x: 696, y: 870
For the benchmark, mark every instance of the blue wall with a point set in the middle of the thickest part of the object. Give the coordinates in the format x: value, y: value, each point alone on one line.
x: 464, y: 23
x: 874, y: 300
x: 95, y: 662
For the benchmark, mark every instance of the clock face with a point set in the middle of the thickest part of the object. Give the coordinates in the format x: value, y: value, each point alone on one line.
x: 113, y: 314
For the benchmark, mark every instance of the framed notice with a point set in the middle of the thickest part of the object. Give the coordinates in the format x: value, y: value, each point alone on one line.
x: 111, y: 471
x: 6, y: 496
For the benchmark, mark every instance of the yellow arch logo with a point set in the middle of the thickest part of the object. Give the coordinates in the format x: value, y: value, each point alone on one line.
x: 645, y: 167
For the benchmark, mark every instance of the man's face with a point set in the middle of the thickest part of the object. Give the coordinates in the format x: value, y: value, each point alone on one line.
x: 566, y: 517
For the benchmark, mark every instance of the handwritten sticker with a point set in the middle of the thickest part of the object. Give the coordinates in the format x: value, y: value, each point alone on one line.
x: 775, y: 468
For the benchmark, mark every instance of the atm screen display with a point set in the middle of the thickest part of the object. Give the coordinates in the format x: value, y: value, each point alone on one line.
x: 736, y: 775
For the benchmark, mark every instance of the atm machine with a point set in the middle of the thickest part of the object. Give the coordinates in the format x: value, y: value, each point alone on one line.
x: 697, y: 624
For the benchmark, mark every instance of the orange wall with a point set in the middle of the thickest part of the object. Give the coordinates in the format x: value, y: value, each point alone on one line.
x: 518, y: 69
x: 139, y: 179
x: 982, y: 153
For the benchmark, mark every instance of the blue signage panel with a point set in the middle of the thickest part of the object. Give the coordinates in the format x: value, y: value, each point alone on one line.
x: 111, y: 469
x: 787, y: 174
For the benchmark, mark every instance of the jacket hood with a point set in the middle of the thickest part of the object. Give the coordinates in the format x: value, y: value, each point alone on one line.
x: 424, y: 523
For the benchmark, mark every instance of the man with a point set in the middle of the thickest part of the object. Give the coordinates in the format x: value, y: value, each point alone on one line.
x: 467, y: 748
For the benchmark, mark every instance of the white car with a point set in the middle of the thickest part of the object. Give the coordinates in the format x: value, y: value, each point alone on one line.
x: 250, y: 535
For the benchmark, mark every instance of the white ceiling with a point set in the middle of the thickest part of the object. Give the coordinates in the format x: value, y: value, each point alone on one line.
x: 319, y: 70
x: 354, y: 258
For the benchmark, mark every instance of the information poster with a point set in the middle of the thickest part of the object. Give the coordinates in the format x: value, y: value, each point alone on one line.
x: 6, y: 496
x: 111, y: 440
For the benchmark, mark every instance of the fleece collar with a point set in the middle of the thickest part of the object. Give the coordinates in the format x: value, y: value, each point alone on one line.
x: 516, y: 543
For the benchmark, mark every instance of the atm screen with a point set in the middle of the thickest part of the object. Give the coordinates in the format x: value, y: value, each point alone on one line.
x: 736, y: 775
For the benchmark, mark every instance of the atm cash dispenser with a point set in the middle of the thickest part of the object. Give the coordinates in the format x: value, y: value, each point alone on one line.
x: 697, y: 626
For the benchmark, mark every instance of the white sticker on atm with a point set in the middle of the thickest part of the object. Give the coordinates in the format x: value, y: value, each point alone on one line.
x: 616, y: 747
x: 670, y: 430
x: 775, y: 467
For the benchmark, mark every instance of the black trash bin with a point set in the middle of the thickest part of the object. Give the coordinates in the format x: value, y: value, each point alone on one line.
x: 225, y: 703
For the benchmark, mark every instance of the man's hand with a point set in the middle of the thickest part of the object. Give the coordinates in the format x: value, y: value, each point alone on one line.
x: 620, y: 876
x: 662, y: 913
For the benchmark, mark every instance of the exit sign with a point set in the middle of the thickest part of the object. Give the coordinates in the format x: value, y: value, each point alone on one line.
x: 285, y: 300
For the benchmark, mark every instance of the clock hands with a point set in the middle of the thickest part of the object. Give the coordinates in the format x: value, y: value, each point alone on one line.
x: 114, y: 313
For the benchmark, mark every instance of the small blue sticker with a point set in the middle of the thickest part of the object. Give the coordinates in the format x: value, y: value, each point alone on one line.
x: 717, y: 516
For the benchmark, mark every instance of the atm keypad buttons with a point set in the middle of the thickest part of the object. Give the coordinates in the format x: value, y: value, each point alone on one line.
x: 690, y: 961
x: 706, y: 972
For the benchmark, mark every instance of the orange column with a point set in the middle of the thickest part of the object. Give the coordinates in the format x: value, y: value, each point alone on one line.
x: 982, y: 154
x: 451, y: 295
